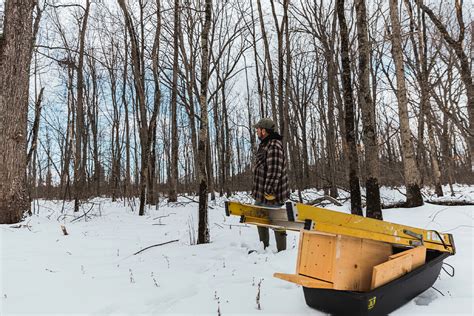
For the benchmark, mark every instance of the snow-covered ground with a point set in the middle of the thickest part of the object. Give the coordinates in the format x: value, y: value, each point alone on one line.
x: 93, y: 270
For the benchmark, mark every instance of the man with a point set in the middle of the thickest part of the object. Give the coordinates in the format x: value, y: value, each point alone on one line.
x: 270, y: 181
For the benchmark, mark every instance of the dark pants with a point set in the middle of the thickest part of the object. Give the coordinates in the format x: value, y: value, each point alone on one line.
x: 263, y: 233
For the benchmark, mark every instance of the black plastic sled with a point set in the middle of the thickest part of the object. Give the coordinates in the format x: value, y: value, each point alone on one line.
x: 382, y: 300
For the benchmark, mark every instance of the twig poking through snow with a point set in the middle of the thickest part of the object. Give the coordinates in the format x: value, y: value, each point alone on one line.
x: 63, y: 228
x: 167, y: 260
x: 164, y: 243
x: 258, y: 294
x: 154, y: 280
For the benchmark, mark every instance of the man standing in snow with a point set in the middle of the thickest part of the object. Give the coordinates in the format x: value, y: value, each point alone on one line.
x: 270, y: 181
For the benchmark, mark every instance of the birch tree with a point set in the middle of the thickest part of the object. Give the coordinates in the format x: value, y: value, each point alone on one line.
x: 410, y: 168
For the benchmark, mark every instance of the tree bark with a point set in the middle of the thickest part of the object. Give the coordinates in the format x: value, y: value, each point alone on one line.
x: 422, y: 76
x: 155, y: 54
x: 411, y: 172
x: 15, y: 58
x: 371, y: 151
x: 356, y: 204
x: 268, y: 60
x: 79, y: 171
x: 203, y: 226
x: 127, y: 121
x: 173, y: 196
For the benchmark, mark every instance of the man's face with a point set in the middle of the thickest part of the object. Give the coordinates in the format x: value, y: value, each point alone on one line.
x: 261, y: 133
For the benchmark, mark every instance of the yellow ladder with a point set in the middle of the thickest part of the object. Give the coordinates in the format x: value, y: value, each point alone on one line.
x: 297, y: 216
x: 327, y: 221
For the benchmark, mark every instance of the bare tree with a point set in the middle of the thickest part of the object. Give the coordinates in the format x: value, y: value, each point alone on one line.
x: 80, y: 131
x: 203, y: 227
x: 412, y: 175
x: 271, y: 78
x: 15, y: 58
x: 173, y: 177
x: 422, y: 75
x: 466, y: 72
x: 356, y: 204
x: 146, y: 128
x: 371, y: 149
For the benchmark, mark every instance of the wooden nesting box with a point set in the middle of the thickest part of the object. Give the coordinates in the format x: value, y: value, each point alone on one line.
x: 398, y: 265
x: 336, y: 261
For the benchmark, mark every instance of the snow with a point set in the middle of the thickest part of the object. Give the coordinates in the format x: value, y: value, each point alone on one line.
x: 92, y: 271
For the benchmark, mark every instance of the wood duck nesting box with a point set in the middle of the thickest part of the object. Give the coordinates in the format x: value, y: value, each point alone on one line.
x: 336, y: 261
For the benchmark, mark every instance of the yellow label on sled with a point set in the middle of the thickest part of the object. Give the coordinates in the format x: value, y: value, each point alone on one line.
x: 372, y: 302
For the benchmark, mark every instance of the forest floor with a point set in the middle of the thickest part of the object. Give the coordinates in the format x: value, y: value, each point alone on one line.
x: 93, y: 269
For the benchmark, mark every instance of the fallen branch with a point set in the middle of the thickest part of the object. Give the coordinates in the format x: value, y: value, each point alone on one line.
x: 187, y: 197
x: 164, y: 216
x: 27, y: 225
x: 399, y: 204
x: 236, y: 225
x: 193, y: 200
x: 325, y: 198
x: 451, y: 202
x: 84, y: 215
x: 19, y: 226
x: 168, y: 242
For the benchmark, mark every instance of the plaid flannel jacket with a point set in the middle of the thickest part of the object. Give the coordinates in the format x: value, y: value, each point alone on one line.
x: 269, y: 172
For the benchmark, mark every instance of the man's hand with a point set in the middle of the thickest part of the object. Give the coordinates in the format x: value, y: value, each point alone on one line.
x: 269, y: 197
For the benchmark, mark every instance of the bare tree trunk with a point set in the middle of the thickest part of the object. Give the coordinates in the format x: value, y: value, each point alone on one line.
x: 227, y: 143
x: 141, y: 116
x: 65, y: 177
x: 127, y: 185
x: 331, y: 130
x: 423, y: 82
x: 282, y: 94
x: 249, y: 109
x: 190, y: 77
x: 152, y: 183
x: 115, y: 145
x: 210, y: 171
x: 93, y: 115
x: 356, y: 204
x: 411, y: 172
x: 79, y: 171
x: 15, y: 59
x: 268, y: 60
x: 145, y: 130
x: 35, y: 129
x: 173, y: 196
x: 203, y: 226
x: 446, y: 152
x: 374, y: 208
